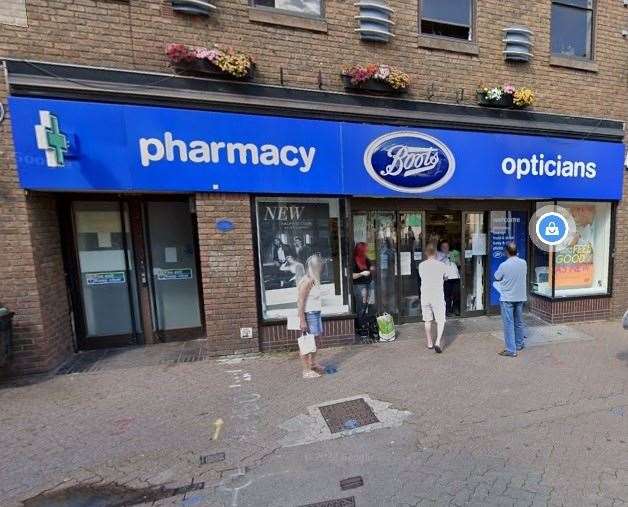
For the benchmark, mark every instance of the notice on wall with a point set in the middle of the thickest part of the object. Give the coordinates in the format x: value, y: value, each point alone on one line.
x: 104, y: 239
x: 359, y: 229
x: 105, y: 278
x: 173, y: 274
x: 171, y: 254
x: 405, y: 260
x: 478, y: 244
x: 506, y: 227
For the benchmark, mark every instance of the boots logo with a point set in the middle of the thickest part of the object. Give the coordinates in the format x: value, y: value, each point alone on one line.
x: 409, y: 162
x: 51, y: 140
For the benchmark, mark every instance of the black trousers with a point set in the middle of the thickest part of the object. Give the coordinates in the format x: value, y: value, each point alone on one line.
x: 452, y: 296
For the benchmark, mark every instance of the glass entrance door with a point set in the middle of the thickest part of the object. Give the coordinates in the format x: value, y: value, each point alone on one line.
x: 107, y: 278
x: 394, y: 246
x: 137, y: 279
x: 410, y: 255
x: 474, y: 263
x: 174, y: 276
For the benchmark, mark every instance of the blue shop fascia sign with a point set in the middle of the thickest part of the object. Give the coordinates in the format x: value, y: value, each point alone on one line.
x: 86, y: 146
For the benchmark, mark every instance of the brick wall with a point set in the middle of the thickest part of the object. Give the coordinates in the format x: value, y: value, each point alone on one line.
x: 228, y: 272
x: 570, y: 310
x: 619, y: 303
x: 31, y: 270
x: 132, y: 34
x: 276, y: 337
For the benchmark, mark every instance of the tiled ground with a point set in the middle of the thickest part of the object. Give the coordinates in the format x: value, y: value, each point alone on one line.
x: 546, y: 428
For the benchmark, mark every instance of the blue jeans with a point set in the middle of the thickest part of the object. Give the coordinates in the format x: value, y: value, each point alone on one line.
x: 512, y: 318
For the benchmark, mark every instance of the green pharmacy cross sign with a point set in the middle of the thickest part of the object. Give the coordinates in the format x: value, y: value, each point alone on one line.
x: 51, y: 139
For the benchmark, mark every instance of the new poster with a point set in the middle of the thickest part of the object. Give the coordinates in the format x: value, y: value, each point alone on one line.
x: 289, y: 233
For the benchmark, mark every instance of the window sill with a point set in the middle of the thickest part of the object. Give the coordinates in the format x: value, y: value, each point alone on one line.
x: 573, y: 63
x: 271, y: 17
x: 446, y: 44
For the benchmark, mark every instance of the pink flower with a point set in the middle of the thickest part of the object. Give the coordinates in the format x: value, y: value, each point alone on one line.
x: 510, y: 89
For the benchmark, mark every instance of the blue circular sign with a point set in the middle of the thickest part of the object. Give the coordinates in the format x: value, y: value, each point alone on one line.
x: 409, y: 162
x: 552, y: 228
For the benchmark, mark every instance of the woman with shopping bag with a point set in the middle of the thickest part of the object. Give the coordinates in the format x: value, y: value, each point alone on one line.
x: 309, y: 311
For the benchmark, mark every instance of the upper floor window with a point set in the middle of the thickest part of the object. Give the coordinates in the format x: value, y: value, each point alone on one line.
x: 572, y: 28
x: 306, y: 7
x: 448, y: 18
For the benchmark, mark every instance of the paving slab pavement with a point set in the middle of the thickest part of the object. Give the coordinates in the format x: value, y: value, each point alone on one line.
x: 546, y: 428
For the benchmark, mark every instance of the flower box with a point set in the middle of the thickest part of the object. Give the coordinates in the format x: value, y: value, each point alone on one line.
x: 376, y: 86
x: 505, y: 101
x: 206, y: 68
x: 212, y: 62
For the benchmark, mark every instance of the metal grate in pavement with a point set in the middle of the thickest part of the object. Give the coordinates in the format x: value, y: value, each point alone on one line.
x: 351, y: 483
x: 338, y: 502
x: 347, y: 415
x: 84, y: 362
x: 212, y: 458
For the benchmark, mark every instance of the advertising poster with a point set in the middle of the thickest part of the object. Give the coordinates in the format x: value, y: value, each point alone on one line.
x: 574, y: 264
x: 506, y: 227
x: 289, y: 233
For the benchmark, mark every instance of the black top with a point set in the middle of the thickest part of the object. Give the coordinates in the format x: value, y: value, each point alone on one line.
x: 363, y: 280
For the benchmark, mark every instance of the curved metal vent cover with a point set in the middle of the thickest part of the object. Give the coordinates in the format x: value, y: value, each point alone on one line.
x: 374, y: 20
x: 519, y: 44
x: 193, y: 6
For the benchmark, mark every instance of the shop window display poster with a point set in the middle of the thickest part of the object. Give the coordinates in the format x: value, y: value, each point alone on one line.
x: 289, y: 233
x: 574, y: 264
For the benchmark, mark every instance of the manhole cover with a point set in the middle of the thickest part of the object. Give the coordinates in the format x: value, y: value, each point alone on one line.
x: 338, y: 502
x: 347, y: 415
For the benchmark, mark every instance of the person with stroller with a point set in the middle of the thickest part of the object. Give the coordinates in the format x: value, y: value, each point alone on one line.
x: 363, y: 291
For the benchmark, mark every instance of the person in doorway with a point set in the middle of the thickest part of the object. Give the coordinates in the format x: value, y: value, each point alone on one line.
x: 363, y: 290
x: 309, y: 309
x: 452, y: 284
x: 433, y: 274
x: 511, y: 283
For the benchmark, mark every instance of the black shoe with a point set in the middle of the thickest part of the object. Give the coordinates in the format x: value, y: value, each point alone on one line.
x: 507, y: 353
x: 438, y: 349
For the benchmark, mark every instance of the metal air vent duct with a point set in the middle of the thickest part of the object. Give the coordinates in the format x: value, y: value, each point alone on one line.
x: 374, y: 20
x: 193, y: 7
x: 519, y: 44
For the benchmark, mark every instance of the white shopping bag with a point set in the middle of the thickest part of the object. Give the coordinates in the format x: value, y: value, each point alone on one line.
x: 307, y: 344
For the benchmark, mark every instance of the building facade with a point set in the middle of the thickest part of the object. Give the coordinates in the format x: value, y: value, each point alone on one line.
x: 146, y: 202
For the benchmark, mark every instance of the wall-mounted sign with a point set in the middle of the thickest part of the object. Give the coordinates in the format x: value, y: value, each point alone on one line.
x: 506, y: 227
x: 224, y: 225
x: 144, y: 148
x: 105, y: 278
x: 173, y: 274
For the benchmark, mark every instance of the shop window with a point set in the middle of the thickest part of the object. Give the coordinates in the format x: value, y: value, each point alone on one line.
x: 305, y: 7
x: 289, y: 231
x: 582, y: 268
x: 447, y: 18
x: 572, y: 28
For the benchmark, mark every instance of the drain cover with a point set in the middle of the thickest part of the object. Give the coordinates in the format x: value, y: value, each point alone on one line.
x: 351, y: 483
x: 338, y: 502
x: 212, y: 458
x: 347, y: 415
